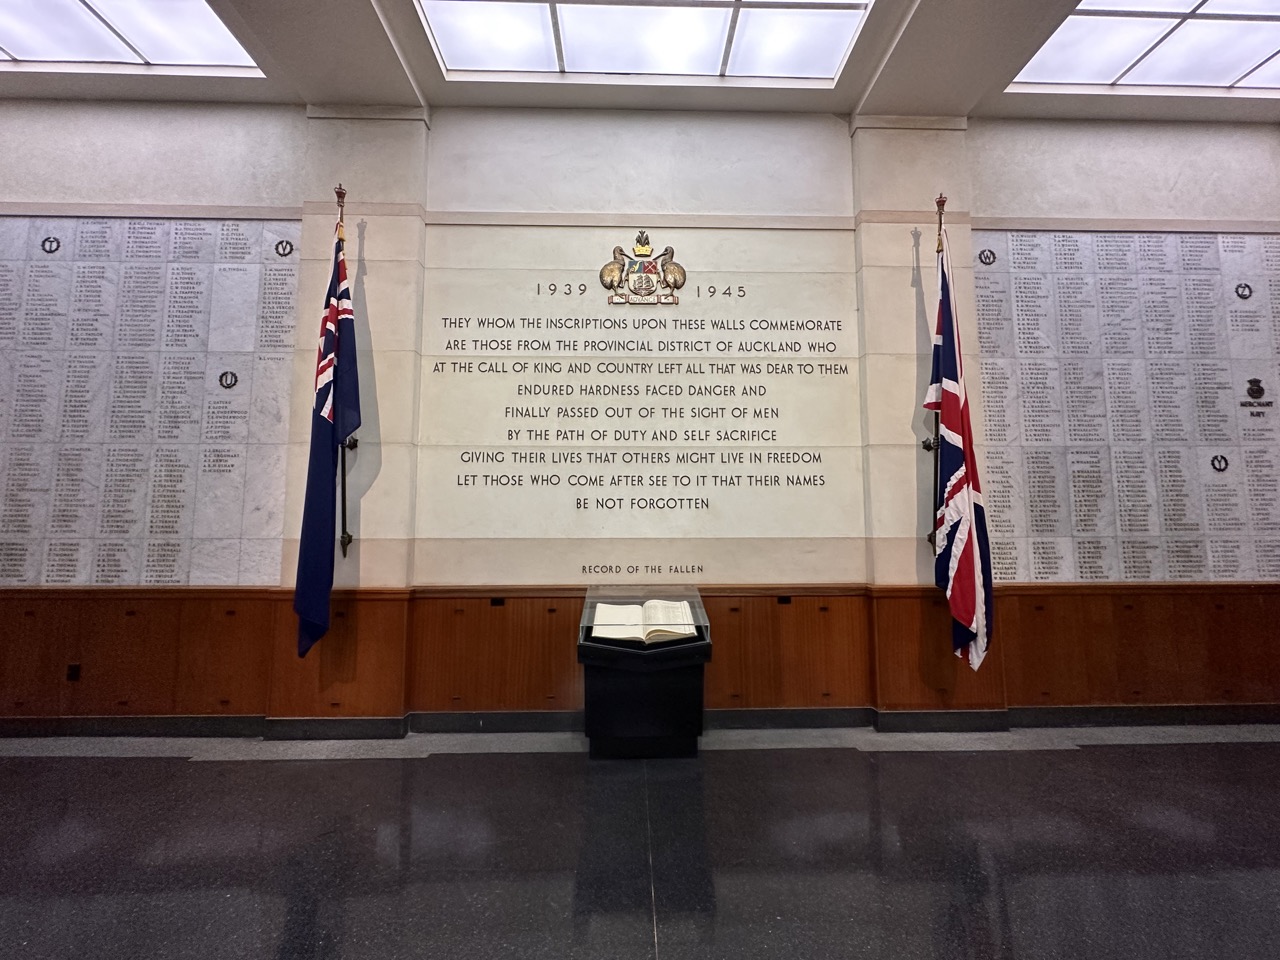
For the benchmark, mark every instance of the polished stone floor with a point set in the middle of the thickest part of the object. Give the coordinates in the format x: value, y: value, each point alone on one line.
x: 1133, y: 843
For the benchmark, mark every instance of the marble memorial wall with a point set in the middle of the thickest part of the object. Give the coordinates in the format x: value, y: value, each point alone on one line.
x: 145, y: 367
x: 1129, y: 383
x: 550, y: 413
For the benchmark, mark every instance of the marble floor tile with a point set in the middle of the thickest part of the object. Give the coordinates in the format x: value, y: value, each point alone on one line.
x: 1128, y: 844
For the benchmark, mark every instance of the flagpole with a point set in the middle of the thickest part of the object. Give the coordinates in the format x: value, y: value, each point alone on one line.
x: 345, y: 539
x: 933, y: 443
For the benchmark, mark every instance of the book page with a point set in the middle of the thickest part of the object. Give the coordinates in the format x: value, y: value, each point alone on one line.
x: 668, y: 618
x: 615, y: 621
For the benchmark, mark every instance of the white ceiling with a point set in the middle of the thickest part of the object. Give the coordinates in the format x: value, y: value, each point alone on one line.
x: 930, y: 58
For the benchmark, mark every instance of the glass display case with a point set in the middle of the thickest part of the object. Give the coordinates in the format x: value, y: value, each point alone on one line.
x: 643, y: 649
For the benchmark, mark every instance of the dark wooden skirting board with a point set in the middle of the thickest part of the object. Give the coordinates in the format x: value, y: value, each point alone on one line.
x: 91, y: 654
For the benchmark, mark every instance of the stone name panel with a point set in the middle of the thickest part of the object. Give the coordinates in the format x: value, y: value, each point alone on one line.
x: 1129, y: 385
x: 145, y: 367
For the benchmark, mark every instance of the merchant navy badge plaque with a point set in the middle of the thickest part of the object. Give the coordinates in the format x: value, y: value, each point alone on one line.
x: 642, y: 278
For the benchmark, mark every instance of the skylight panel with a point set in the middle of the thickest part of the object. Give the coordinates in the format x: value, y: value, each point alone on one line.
x: 1256, y: 7
x: 650, y: 39
x: 58, y: 30
x: 770, y: 40
x: 1208, y: 53
x: 1267, y: 75
x: 1139, y: 6
x: 174, y: 31
x: 792, y: 43
x: 493, y: 36
x: 1219, y: 44
x: 1093, y: 49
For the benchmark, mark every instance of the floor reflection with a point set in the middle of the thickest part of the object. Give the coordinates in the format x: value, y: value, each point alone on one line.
x: 1126, y: 851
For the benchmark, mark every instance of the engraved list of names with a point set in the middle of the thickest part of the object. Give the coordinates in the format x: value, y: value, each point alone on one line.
x: 144, y: 389
x: 1129, y: 386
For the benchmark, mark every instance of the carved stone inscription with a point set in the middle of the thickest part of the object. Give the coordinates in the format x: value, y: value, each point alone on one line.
x: 1130, y: 384
x: 143, y: 364
x: 552, y: 411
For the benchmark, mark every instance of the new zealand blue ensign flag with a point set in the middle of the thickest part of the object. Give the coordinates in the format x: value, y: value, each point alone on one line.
x: 334, y: 417
x: 962, y: 560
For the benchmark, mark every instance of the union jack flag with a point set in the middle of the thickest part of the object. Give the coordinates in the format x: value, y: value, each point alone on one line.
x: 334, y: 417
x: 962, y: 558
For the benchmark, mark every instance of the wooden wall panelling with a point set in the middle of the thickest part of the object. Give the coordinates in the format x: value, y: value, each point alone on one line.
x: 1140, y: 644
x: 724, y: 678
x: 826, y: 656
x: 914, y: 666
x: 1263, y: 645
x: 762, y: 654
x: 356, y: 670
x: 811, y: 652
x: 1057, y: 647
x: 127, y: 649
x: 224, y: 654
x: 1146, y: 623
x: 177, y: 651
x: 33, y: 663
x: 745, y: 669
x: 471, y: 654
x: 1229, y: 656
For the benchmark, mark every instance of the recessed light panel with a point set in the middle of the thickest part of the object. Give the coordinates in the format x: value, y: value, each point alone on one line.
x: 492, y: 36
x: 1093, y: 49
x: 650, y: 39
x: 175, y: 31
x: 792, y: 43
x: 58, y: 30
x: 1210, y: 53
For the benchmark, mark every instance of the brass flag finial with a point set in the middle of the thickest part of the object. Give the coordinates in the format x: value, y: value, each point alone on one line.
x: 942, y: 206
x: 342, y: 199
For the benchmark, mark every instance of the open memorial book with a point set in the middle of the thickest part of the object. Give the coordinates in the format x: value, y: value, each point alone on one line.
x: 656, y: 620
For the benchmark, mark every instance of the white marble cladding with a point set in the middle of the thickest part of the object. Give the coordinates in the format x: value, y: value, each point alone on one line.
x: 1129, y: 380
x: 145, y: 366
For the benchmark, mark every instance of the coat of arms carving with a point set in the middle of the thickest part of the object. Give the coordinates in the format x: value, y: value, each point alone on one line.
x: 642, y: 277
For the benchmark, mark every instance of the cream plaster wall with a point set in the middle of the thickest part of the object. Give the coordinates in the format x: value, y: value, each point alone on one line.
x: 135, y: 154
x: 1113, y: 169
x: 897, y: 172
x: 381, y: 163
x: 617, y: 162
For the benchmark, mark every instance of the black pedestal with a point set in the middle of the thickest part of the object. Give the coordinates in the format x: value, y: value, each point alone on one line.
x: 644, y: 702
